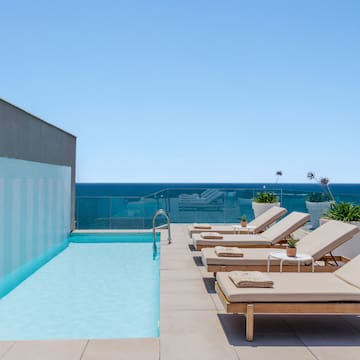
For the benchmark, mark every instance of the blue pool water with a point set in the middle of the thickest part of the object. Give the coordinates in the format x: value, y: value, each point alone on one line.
x: 90, y: 290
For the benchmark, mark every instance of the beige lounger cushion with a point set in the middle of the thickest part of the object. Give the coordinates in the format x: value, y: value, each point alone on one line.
x: 246, y: 279
x: 350, y: 272
x: 231, y: 240
x: 286, y: 226
x: 292, y: 287
x: 210, y: 235
x: 266, y: 218
x: 317, y: 243
x: 222, y: 229
x: 252, y: 257
x: 224, y: 251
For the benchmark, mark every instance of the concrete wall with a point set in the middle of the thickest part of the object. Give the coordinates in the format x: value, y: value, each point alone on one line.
x: 24, y: 136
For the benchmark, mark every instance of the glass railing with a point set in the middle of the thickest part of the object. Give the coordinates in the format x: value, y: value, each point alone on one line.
x: 183, y: 206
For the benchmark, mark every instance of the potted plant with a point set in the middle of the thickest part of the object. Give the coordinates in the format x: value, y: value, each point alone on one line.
x: 264, y: 201
x: 291, y: 249
x: 347, y: 212
x: 318, y: 202
x: 243, y: 221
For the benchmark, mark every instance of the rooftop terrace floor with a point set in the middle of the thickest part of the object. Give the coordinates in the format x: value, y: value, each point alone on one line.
x: 193, y: 325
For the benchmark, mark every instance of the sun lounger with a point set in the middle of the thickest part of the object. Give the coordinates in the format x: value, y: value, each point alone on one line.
x: 257, y: 225
x: 318, y: 244
x: 273, y: 235
x: 334, y: 293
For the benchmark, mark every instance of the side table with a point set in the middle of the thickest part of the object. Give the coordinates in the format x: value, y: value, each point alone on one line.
x: 299, y: 258
x: 249, y: 228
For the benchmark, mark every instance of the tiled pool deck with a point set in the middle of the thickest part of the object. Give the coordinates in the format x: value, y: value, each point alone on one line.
x: 194, y: 326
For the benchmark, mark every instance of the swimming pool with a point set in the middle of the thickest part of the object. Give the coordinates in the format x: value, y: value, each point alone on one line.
x: 100, y: 286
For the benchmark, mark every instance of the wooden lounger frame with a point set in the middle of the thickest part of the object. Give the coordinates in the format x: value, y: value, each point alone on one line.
x: 328, y: 266
x: 293, y: 308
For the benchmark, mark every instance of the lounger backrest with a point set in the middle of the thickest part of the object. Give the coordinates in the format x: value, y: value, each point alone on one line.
x: 262, y: 221
x: 350, y: 272
x: 285, y: 226
x: 326, y: 238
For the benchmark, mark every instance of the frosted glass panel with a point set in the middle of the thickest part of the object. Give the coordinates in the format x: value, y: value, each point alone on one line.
x: 35, y: 208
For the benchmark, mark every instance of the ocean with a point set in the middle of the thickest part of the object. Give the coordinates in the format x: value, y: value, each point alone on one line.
x: 132, y: 205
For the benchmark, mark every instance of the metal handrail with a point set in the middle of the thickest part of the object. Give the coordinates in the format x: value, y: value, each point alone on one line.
x: 158, y: 213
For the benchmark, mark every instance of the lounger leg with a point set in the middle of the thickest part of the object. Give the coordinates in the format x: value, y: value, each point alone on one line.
x: 249, y: 322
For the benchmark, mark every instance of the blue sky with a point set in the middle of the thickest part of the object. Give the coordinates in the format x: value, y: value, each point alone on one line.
x: 191, y: 91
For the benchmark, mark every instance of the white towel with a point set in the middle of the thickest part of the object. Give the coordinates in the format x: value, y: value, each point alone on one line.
x: 250, y: 279
x: 202, y: 226
x: 211, y: 235
x: 224, y: 251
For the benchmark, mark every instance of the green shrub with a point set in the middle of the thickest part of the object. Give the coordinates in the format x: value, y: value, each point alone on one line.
x: 266, y: 197
x: 343, y: 211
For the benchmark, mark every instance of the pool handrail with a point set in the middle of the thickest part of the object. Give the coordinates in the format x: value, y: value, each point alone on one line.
x: 164, y: 213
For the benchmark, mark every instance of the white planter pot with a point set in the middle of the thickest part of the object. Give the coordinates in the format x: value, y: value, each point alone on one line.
x: 316, y: 209
x: 259, y: 208
x: 350, y: 248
